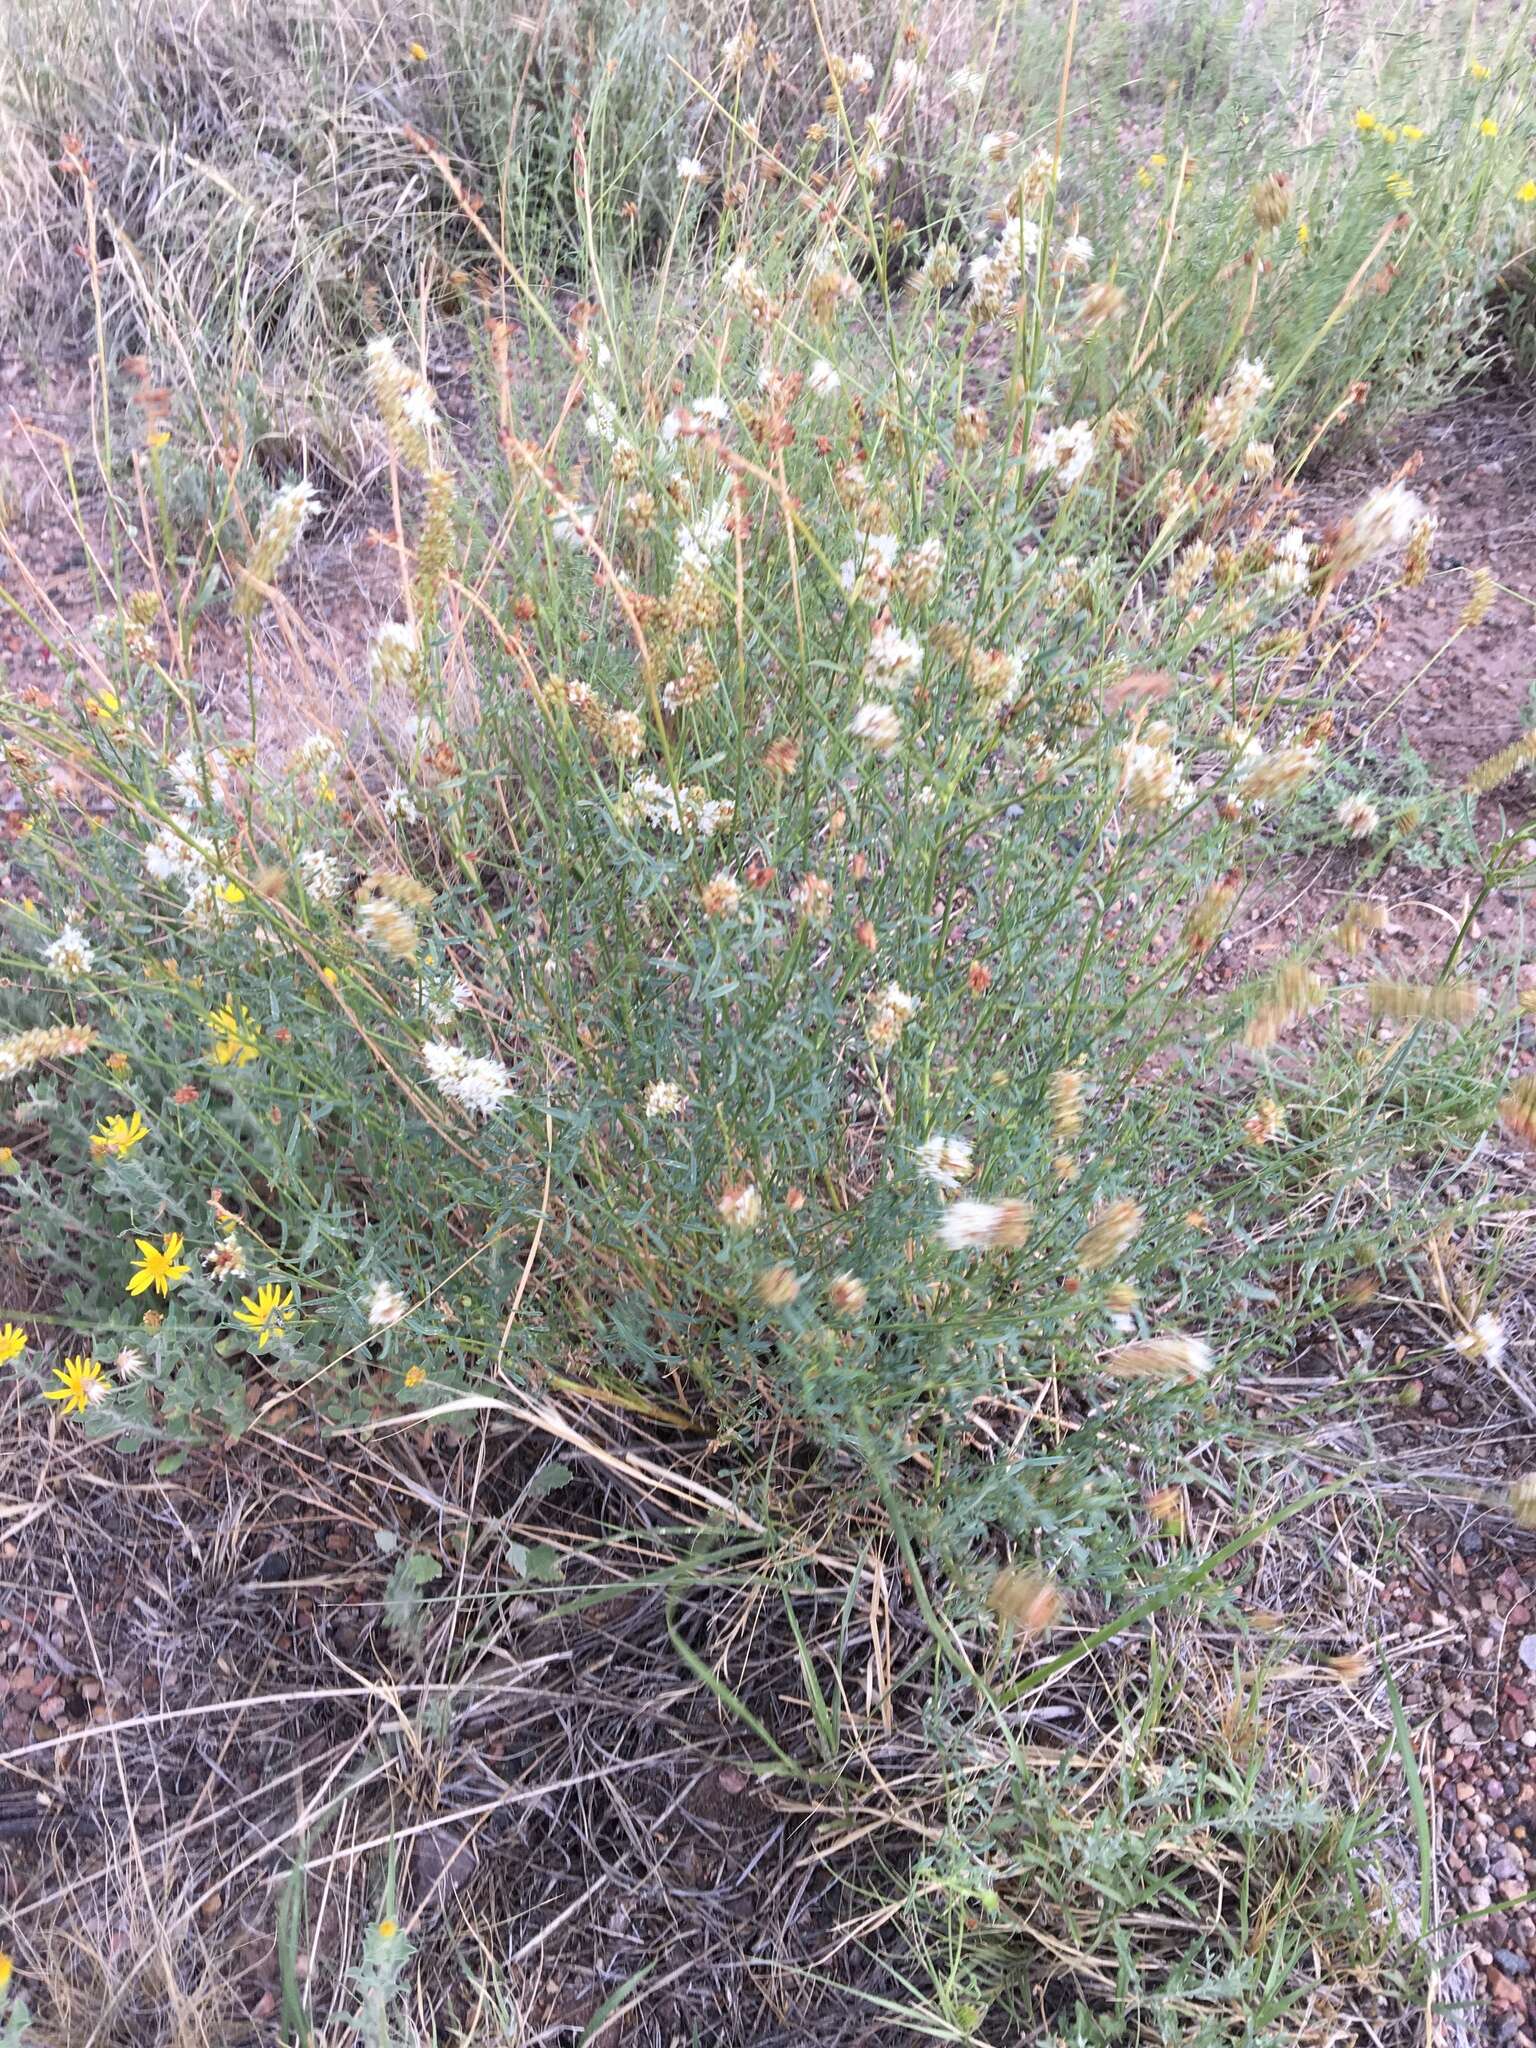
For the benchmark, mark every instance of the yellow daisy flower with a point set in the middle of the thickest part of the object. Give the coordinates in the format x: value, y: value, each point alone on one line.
x: 268, y: 1312
x: 82, y: 1382
x: 1479, y: 71
x: 157, y: 1267
x: 1411, y: 134
x: 1365, y: 120
x: 12, y: 1342
x: 116, y: 1136
x: 1488, y: 127
x: 1526, y: 193
x: 235, y: 1034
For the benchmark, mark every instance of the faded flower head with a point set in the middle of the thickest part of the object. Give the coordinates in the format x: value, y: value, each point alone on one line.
x: 985, y: 1226
x: 284, y: 520
x: 386, y: 1306
x: 721, y: 895
x: 393, y: 654
x: 893, y: 1011
x: 1154, y: 777
x: 1064, y: 1099
x: 1385, y: 524
x: 1170, y: 1360
x: 1279, y: 774
x: 1265, y: 1123
x: 878, y: 726
x: 946, y: 1161
x: 1357, y: 816
x: 1026, y: 1600
x: 813, y: 898
x: 1227, y: 414
x: 777, y: 1286
x: 740, y: 1206
x: 847, y: 1295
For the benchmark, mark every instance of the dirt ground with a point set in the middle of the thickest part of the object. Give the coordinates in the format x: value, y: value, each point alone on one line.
x: 218, y: 1593
x: 349, y: 571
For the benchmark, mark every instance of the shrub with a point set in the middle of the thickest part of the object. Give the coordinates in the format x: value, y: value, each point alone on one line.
x: 793, y: 859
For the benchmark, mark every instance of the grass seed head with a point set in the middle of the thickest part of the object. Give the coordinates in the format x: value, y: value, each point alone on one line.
x: 1270, y: 200
x: 1517, y: 1110
x: 24, y: 1050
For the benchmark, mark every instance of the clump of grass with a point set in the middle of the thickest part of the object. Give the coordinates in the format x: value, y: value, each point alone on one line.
x: 260, y: 190
x: 734, y: 958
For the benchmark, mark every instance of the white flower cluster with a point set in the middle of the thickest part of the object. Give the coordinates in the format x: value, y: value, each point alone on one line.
x: 476, y: 1083
x: 195, y: 779
x: 321, y: 874
x: 386, y: 1306
x: 894, y: 1010
x: 284, y: 520
x: 665, y: 1098
x: 984, y: 1226
x: 1154, y: 779
x: 1063, y: 453
x: 701, y: 541
x: 878, y: 726
x: 1290, y: 567
x: 945, y: 1161
x: 706, y: 415
x: 392, y: 654
x: 1227, y: 414
x: 893, y: 657
x: 1385, y: 524
x: 176, y: 855
x: 69, y: 955
x: 318, y: 755
x: 688, y: 811
x: 866, y: 573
